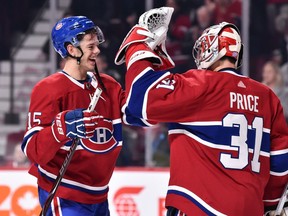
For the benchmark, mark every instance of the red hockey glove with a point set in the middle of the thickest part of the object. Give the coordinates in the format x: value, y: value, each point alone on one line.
x: 139, y: 51
x: 136, y: 35
x: 77, y: 123
x: 151, y: 30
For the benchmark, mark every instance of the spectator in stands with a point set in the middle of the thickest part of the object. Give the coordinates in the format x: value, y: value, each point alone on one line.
x: 202, y: 21
x: 272, y: 77
x: 228, y: 11
x: 281, y: 25
x: 204, y: 17
x: 284, y: 72
x: 277, y: 57
x: 177, y: 34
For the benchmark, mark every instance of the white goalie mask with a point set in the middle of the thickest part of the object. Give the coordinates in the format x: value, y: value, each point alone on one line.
x: 218, y: 41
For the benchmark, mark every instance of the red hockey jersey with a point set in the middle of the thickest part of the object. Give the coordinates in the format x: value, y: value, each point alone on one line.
x: 87, y: 177
x: 227, y: 133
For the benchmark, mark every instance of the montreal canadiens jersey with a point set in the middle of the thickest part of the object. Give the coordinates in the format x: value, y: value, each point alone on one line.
x: 227, y: 133
x: 88, y: 174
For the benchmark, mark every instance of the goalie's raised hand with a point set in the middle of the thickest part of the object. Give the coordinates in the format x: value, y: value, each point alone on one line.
x: 147, y: 38
x: 78, y: 123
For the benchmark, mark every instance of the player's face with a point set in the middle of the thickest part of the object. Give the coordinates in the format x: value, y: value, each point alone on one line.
x: 89, y: 45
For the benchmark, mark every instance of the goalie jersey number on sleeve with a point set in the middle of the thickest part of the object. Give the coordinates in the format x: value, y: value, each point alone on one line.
x: 166, y: 83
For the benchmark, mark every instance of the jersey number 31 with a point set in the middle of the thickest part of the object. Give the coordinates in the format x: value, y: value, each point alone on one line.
x: 239, y: 120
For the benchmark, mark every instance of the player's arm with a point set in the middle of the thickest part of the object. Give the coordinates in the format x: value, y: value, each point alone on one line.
x: 49, y: 128
x: 278, y: 158
x: 159, y: 95
x: 126, y: 115
x: 152, y: 92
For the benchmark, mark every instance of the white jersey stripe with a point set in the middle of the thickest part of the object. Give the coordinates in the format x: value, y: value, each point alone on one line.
x: 73, y: 183
x: 215, y: 123
x: 279, y: 152
x: 145, y: 101
x: 279, y: 173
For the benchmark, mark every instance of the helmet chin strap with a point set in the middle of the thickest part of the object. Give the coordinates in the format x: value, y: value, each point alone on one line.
x: 77, y: 58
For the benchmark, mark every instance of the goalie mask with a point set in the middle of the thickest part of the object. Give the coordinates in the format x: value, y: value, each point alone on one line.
x: 218, y: 41
x: 67, y: 29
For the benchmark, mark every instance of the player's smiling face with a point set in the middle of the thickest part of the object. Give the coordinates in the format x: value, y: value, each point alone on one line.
x: 89, y: 45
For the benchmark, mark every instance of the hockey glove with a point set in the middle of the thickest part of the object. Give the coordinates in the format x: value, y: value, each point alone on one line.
x: 156, y: 21
x: 151, y: 31
x: 77, y: 123
x: 137, y: 35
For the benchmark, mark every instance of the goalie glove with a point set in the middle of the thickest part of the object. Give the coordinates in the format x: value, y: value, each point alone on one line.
x: 152, y: 30
x: 156, y: 21
x: 137, y: 35
x: 77, y: 123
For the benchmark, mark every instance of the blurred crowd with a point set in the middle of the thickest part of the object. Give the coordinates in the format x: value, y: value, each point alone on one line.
x: 268, y: 48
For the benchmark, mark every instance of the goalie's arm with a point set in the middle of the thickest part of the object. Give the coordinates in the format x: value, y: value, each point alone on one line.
x: 159, y: 95
x: 153, y: 95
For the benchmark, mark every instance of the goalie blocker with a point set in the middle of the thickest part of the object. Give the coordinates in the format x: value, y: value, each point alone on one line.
x: 146, y: 40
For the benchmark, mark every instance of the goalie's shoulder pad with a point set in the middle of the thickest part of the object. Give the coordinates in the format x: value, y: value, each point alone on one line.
x: 135, y: 35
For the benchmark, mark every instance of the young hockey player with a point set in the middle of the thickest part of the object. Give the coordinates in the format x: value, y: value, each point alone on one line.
x: 58, y: 115
x: 228, y: 136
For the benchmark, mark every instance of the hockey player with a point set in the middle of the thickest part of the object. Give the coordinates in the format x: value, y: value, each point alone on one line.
x: 58, y: 114
x: 227, y: 133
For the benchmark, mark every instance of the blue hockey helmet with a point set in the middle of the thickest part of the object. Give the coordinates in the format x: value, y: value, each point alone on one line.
x: 67, y: 29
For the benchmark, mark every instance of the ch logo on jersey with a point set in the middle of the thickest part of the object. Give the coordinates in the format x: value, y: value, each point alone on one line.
x: 167, y: 83
x: 103, y: 139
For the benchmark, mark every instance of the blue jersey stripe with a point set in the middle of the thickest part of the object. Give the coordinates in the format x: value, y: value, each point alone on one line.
x: 192, y: 200
x: 217, y: 134
x: 139, y: 89
x: 279, y: 163
x: 117, y: 133
x: 132, y: 120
